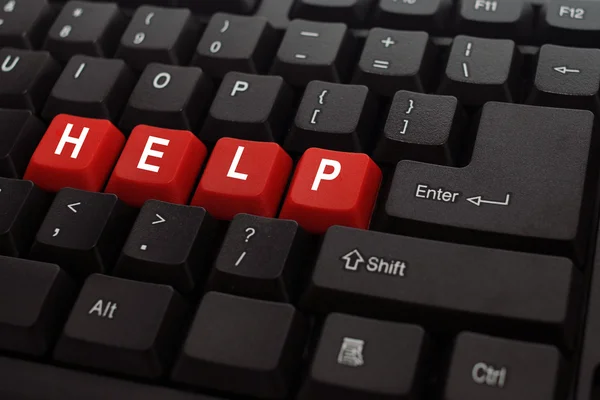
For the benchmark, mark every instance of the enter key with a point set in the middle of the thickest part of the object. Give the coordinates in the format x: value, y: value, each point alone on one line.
x: 525, y: 187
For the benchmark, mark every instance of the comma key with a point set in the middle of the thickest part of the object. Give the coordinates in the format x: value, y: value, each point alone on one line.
x: 518, y: 192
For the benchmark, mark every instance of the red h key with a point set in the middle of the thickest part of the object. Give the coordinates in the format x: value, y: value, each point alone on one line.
x: 160, y: 164
x: 332, y: 188
x: 75, y: 152
x: 243, y: 176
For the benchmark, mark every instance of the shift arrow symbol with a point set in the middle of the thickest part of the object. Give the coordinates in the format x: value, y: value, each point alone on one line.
x: 353, y: 259
x: 160, y: 220
x: 564, y: 70
x: 72, y: 206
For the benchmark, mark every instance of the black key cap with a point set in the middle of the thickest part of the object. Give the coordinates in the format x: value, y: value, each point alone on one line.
x: 261, y: 257
x: 213, y: 6
x: 395, y: 60
x: 83, y: 232
x: 21, y: 133
x: 421, y: 127
x: 91, y: 87
x: 335, y: 117
x: 54, y: 383
x: 168, y: 244
x: 429, y: 15
x: 352, y: 12
x: 511, y: 19
x: 24, y: 23
x: 363, y: 359
x: 26, y: 78
x: 122, y: 326
x: 251, y: 107
x: 497, y: 195
x: 270, y: 338
x: 84, y: 27
x: 572, y: 22
x: 482, y: 70
x: 158, y: 34
x: 314, y: 51
x: 22, y: 209
x: 400, y: 277
x: 486, y: 367
x: 34, y: 300
x: 168, y: 96
x: 236, y: 43
x: 567, y: 77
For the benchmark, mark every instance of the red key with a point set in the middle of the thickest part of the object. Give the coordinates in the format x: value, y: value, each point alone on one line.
x: 75, y: 152
x: 243, y: 177
x: 160, y: 164
x: 332, y: 188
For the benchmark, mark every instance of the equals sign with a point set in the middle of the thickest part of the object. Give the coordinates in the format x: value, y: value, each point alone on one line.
x: 381, y: 64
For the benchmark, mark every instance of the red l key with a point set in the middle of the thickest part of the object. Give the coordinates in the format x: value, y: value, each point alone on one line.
x: 332, y: 188
x: 160, y: 164
x: 243, y: 177
x: 75, y: 152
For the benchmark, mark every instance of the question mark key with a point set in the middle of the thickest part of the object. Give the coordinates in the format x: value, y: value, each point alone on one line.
x: 259, y: 256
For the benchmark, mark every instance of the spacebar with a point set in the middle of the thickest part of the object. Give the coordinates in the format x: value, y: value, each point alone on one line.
x: 24, y: 380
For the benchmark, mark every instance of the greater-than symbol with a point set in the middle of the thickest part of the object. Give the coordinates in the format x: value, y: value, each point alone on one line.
x: 160, y: 220
x: 72, y: 206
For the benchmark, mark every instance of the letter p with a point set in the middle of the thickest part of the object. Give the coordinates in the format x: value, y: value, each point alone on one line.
x: 322, y: 176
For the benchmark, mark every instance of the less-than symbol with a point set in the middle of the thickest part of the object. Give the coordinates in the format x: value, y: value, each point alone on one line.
x: 72, y: 206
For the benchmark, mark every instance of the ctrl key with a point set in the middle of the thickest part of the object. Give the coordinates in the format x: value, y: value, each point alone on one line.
x: 486, y: 367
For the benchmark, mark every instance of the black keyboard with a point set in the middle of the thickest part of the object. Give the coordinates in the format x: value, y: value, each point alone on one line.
x: 299, y: 199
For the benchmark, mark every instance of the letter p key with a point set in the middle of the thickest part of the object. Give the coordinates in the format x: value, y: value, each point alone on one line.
x: 347, y: 199
x: 322, y: 176
x: 239, y: 87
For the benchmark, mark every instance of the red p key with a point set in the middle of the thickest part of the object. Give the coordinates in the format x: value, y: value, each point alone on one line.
x: 160, y: 164
x: 332, y: 188
x: 75, y: 152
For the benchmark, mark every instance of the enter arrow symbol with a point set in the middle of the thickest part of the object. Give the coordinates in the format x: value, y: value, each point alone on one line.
x: 159, y: 221
x: 72, y: 206
x: 478, y: 200
x: 565, y: 70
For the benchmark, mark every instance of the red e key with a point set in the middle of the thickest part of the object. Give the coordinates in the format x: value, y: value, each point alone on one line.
x: 159, y: 164
x: 332, y: 188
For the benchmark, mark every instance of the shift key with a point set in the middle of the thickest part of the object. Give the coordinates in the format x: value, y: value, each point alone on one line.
x: 445, y: 286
